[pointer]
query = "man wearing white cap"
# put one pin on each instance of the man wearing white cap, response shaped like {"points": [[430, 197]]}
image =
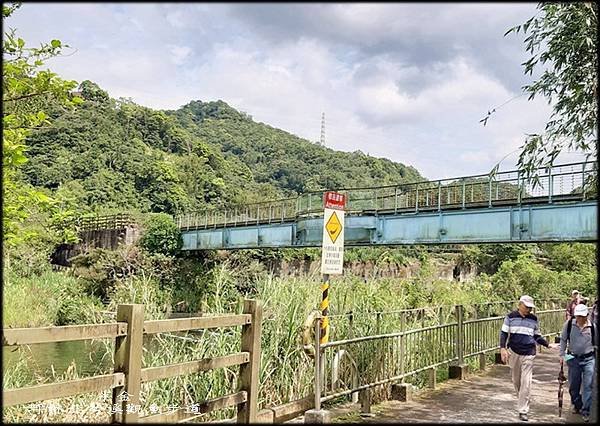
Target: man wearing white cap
{"points": [[520, 333], [580, 335]]}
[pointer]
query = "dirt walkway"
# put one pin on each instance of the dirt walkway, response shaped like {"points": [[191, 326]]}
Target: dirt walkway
{"points": [[483, 397]]}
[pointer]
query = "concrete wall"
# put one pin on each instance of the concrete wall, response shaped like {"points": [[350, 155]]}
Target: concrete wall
{"points": [[446, 268], [104, 238]]}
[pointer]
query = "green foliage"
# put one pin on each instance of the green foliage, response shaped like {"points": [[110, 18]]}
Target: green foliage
{"points": [[75, 306], [525, 275], [161, 235], [144, 289], [9, 8], [46, 298], [282, 160], [576, 264], [91, 92], [27, 92], [488, 257], [570, 256], [562, 39], [100, 269], [119, 155]]}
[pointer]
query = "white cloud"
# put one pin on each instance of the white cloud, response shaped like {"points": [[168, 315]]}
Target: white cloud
{"points": [[358, 66], [179, 54], [176, 19], [384, 102]]}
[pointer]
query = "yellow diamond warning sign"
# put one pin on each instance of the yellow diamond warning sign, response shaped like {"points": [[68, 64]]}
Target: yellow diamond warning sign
{"points": [[334, 227]]}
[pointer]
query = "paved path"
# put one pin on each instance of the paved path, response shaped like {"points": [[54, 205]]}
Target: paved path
{"points": [[483, 397]]}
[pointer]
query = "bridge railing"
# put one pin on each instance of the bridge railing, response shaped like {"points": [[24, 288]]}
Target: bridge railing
{"points": [[348, 366], [128, 375], [572, 181], [265, 212], [103, 222]]}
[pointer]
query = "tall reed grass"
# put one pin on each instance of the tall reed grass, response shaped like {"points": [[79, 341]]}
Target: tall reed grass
{"points": [[286, 373]]}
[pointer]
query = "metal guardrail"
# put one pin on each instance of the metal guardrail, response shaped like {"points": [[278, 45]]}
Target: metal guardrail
{"points": [[352, 324], [377, 359], [571, 181]]}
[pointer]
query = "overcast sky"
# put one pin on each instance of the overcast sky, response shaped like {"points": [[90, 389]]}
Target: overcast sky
{"points": [[406, 81]]}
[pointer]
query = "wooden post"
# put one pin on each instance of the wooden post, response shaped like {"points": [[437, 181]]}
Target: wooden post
{"points": [[249, 372], [128, 360]]}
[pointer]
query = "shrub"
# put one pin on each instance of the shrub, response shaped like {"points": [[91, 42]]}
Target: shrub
{"points": [[161, 235], [525, 276]]}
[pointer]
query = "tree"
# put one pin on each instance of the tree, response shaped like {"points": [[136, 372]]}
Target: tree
{"points": [[562, 38], [27, 91], [161, 235]]}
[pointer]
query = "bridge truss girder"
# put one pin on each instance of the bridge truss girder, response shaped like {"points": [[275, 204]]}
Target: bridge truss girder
{"points": [[554, 222]]}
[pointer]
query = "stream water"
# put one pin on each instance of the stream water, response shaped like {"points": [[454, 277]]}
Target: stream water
{"points": [[48, 359]]}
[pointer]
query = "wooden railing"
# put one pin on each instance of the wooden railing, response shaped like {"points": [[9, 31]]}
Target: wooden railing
{"points": [[128, 374]]}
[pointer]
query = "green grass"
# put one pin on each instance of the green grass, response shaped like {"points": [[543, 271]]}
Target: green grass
{"points": [[287, 373], [51, 298]]}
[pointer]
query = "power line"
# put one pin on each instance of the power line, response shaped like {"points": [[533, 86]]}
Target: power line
{"points": [[489, 113]]}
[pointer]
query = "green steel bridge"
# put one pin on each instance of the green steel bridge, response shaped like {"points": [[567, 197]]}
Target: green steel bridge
{"points": [[487, 208]]}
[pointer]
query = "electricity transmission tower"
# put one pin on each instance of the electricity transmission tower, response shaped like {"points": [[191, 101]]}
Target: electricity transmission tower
{"points": [[322, 141]]}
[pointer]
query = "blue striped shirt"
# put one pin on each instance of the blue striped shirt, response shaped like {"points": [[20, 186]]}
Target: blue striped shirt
{"points": [[524, 333]]}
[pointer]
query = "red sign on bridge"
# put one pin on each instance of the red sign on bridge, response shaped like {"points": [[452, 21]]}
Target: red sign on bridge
{"points": [[334, 200]]}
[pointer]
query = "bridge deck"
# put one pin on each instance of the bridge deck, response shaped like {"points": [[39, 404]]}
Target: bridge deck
{"points": [[486, 397]]}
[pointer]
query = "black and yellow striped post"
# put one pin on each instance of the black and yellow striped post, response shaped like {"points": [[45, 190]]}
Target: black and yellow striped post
{"points": [[324, 335]]}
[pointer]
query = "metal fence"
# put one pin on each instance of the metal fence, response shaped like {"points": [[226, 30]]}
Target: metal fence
{"points": [[352, 324], [572, 181], [347, 366]]}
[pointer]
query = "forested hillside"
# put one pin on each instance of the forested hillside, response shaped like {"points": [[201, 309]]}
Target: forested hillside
{"points": [[112, 154], [283, 160]]}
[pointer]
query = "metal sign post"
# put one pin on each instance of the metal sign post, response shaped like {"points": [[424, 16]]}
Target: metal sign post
{"points": [[332, 258]]}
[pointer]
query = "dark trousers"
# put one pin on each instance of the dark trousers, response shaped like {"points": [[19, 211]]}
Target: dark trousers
{"points": [[581, 375]]}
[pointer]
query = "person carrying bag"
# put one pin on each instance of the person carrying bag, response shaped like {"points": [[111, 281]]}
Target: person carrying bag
{"points": [[577, 348]]}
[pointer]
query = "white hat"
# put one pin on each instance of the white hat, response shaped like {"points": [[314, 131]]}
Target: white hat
{"points": [[527, 301], [581, 310], [574, 292]]}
